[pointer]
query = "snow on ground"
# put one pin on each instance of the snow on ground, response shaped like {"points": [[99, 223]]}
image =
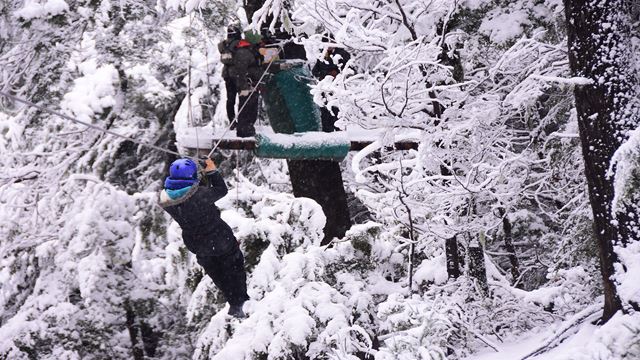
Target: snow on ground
{"points": [[611, 341], [520, 348]]}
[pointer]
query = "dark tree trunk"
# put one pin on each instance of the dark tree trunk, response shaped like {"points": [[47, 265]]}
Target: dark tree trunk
{"points": [[251, 6], [597, 40], [321, 180], [477, 267], [508, 245], [136, 347], [453, 257]]}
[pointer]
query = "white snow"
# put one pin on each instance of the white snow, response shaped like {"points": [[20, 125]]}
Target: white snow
{"points": [[576, 80], [432, 271], [77, 247], [309, 138], [92, 93], [35, 9], [95, 90], [503, 27]]}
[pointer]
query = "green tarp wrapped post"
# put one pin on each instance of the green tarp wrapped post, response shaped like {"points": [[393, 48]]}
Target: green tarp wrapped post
{"points": [[291, 110], [289, 103], [303, 146]]}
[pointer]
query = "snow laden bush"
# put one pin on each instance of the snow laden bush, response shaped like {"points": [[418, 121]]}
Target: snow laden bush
{"points": [[75, 307], [106, 285], [351, 299], [307, 300], [311, 301], [88, 269]]}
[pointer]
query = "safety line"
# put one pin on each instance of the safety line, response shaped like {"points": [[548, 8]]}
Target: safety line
{"points": [[190, 111], [95, 127]]}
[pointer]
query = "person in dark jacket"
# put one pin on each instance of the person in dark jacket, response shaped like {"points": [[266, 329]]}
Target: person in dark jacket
{"points": [[189, 197], [226, 48], [331, 64], [245, 70]]}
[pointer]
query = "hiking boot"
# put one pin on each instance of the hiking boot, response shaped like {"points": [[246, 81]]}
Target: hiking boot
{"points": [[235, 310]]}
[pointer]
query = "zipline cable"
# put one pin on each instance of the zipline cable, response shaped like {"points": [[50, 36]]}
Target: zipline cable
{"points": [[95, 127], [190, 111]]}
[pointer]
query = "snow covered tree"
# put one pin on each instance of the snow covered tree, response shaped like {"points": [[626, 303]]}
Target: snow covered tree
{"points": [[91, 268], [84, 259], [608, 109]]}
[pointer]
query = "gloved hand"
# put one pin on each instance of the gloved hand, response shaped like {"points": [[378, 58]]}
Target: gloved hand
{"points": [[211, 166], [207, 163]]}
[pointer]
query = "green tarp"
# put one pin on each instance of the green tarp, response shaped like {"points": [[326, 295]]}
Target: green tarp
{"points": [[291, 110], [289, 103], [303, 146]]}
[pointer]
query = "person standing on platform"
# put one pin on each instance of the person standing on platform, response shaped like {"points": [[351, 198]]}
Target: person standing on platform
{"points": [[226, 48], [245, 71], [332, 63]]}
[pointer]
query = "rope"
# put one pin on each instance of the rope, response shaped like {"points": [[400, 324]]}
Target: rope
{"points": [[206, 54], [237, 180], [95, 127], [235, 119], [190, 110]]}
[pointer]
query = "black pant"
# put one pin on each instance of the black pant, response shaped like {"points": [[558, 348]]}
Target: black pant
{"points": [[247, 117], [328, 119], [227, 272], [232, 92]]}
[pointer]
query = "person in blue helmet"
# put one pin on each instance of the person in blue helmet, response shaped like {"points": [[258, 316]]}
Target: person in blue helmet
{"points": [[189, 196]]}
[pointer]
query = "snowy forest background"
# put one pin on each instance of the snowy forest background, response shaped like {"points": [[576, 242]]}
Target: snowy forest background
{"points": [[91, 267]]}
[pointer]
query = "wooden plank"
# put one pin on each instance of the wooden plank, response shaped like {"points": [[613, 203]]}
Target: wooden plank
{"points": [[356, 145], [399, 145], [236, 143]]}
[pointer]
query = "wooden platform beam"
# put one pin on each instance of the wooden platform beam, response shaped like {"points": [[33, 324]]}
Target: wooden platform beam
{"points": [[356, 145]]}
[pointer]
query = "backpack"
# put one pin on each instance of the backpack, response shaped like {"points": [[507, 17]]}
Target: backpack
{"points": [[226, 52]]}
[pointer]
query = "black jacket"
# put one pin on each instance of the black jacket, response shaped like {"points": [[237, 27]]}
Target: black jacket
{"points": [[327, 66], [244, 68], [203, 231], [225, 48]]}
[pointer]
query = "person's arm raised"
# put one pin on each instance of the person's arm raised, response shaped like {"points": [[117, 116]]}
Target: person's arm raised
{"points": [[216, 188]]}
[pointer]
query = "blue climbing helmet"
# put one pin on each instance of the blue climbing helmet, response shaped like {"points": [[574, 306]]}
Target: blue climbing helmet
{"points": [[182, 173], [185, 169]]}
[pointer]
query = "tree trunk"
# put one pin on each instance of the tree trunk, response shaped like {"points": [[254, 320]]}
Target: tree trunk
{"points": [[136, 347], [321, 180], [251, 6], [477, 268], [453, 257], [513, 259], [598, 32]]}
